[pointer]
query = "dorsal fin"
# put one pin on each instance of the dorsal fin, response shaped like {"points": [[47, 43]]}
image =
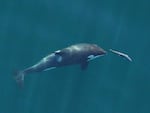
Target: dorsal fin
{"points": [[84, 65], [59, 52]]}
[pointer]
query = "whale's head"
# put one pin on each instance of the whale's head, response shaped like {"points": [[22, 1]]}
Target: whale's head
{"points": [[97, 50]]}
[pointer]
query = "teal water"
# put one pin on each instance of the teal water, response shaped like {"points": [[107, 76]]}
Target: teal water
{"points": [[31, 29]]}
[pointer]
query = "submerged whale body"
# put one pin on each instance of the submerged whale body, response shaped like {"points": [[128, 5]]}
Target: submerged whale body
{"points": [[75, 54], [80, 54]]}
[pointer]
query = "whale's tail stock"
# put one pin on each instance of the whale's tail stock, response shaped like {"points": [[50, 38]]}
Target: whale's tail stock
{"points": [[19, 77]]}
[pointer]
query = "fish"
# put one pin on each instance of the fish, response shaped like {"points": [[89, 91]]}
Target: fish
{"points": [[121, 54]]}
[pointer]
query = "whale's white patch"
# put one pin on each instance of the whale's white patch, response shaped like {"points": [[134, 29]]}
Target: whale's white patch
{"points": [[45, 59], [58, 51], [76, 47], [49, 68], [91, 57], [59, 59]]}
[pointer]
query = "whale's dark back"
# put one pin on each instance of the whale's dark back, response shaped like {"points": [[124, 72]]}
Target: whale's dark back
{"points": [[78, 53]]}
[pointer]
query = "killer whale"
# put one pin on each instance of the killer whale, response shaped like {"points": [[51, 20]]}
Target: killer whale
{"points": [[80, 54]]}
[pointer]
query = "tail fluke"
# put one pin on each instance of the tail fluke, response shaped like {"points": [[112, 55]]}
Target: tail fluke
{"points": [[19, 77]]}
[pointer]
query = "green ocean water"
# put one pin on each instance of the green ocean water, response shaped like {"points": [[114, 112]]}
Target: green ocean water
{"points": [[31, 29]]}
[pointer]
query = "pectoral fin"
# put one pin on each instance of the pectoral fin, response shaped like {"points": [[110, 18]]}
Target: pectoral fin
{"points": [[49, 68], [84, 65]]}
